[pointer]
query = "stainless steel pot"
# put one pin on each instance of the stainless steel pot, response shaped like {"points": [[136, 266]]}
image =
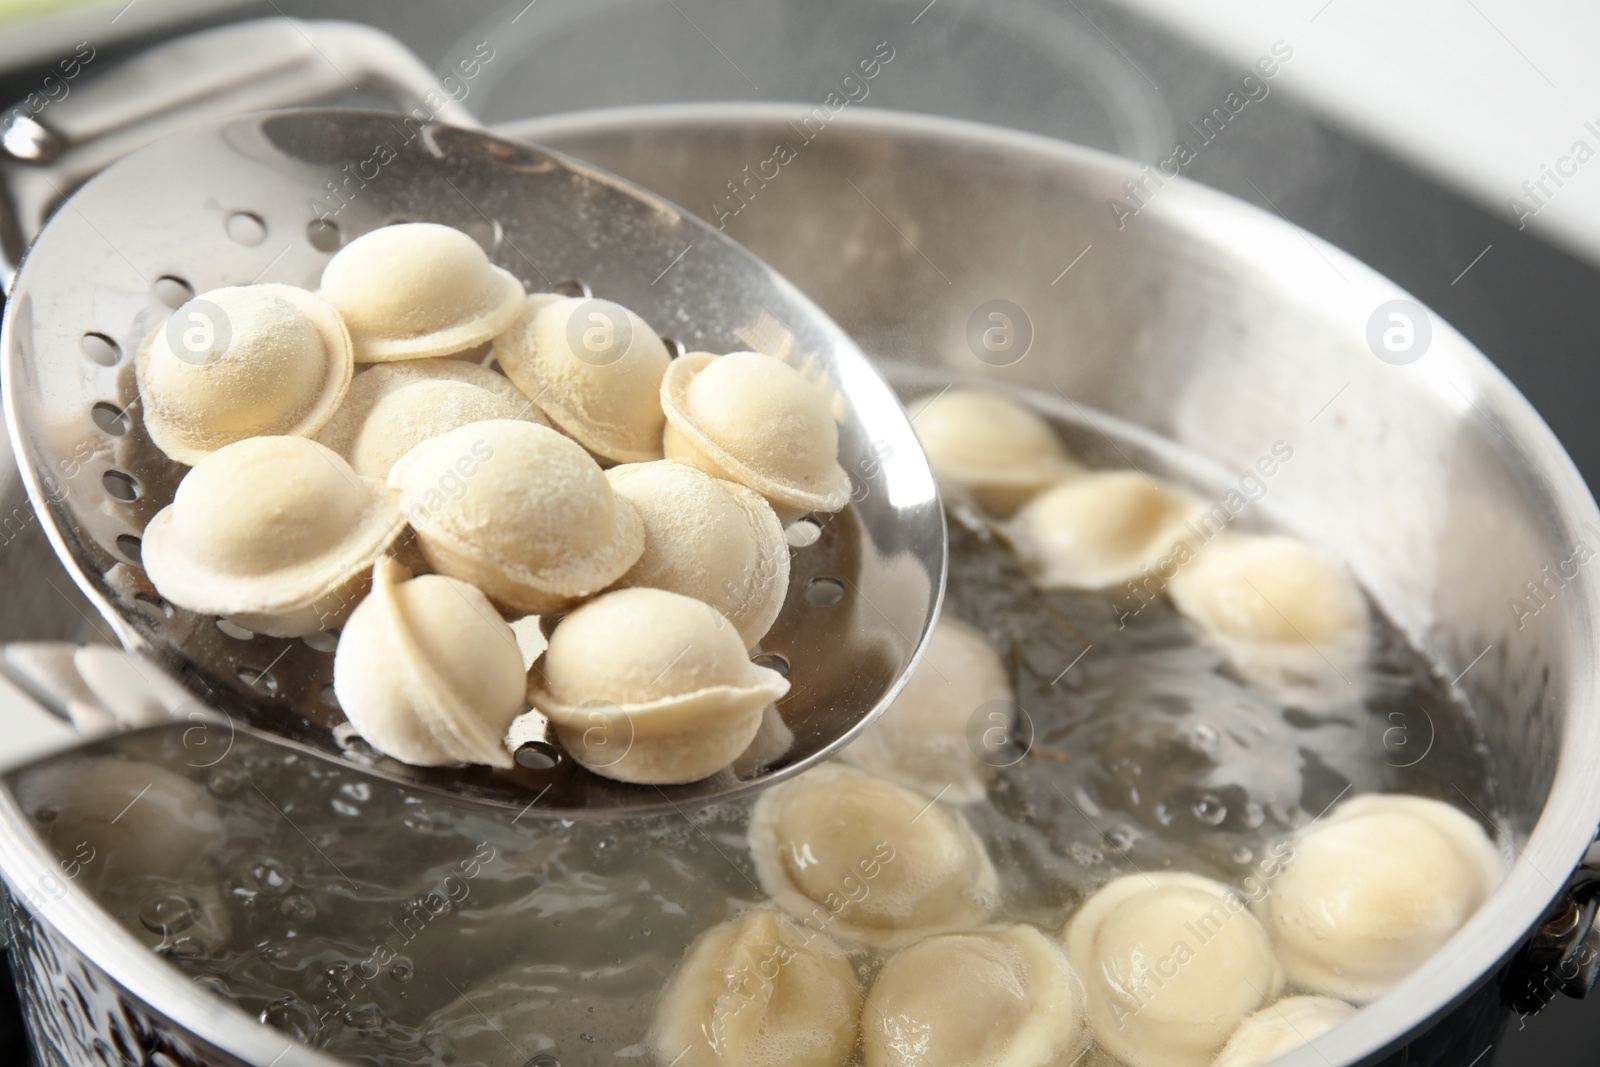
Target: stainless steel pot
{"points": [[1184, 313]]}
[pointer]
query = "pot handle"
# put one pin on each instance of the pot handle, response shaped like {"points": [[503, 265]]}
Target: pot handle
{"points": [[51, 146], [1563, 956]]}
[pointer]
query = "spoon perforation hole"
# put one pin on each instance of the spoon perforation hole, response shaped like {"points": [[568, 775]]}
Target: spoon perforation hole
{"points": [[261, 681], [327, 696], [153, 606], [574, 287], [131, 548], [234, 630], [675, 347], [324, 235], [773, 661], [121, 485], [172, 290], [487, 232], [110, 418], [824, 592], [322, 640], [538, 756], [246, 228], [803, 533], [100, 349]]}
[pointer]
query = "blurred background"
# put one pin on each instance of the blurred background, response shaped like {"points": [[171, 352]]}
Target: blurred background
{"points": [[1451, 144]]}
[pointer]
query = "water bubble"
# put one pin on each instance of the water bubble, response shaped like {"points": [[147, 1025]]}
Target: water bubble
{"points": [[1122, 838], [225, 783], [1085, 855], [402, 971], [1243, 855], [253, 878], [299, 908], [293, 1017], [1210, 809], [360, 792], [169, 914], [344, 807], [45, 816], [184, 948], [364, 1017], [1204, 737]]}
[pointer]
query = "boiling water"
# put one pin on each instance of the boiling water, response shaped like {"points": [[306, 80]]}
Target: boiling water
{"points": [[392, 929]]}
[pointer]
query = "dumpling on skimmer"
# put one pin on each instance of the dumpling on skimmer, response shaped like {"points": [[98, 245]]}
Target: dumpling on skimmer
{"points": [[707, 538], [1104, 528], [950, 727], [989, 447], [393, 407], [1290, 619], [595, 368]]}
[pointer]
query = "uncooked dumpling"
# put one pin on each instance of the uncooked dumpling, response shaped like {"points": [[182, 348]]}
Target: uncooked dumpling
{"points": [[393, 407], [950, 726], [1000, 997], [1374, 888], [428, 672], [1290, 619], [707, 538], [276, 533], [1171, 964], [756, 420], [418, 289], [1102, 529], [519, 511], [595, 367], [758, 991], [882, 864], [987, 446], [649, 686], [1280, 1028], [244, 361]]}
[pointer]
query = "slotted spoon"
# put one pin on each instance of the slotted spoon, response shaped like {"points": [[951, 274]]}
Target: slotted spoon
{"points": [[269, 198]]}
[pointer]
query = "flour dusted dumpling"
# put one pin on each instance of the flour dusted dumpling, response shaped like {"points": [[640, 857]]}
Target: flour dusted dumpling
{"points": [[1282, 1027], [595, 367], [649, 686], [428, 672], [1290, 619], [1000, 997], [418, 289], [755, 420], [276, 533], [948, 729], [989, 447], [1374, 888], [244, 361], [707, 538], [1171, 964], [886, 863], [393, 407], [1102, 529], [758, 991], [518, 511]]}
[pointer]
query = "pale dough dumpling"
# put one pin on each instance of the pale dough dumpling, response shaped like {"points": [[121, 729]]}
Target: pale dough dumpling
{"points": [[418, 289], [1373, 889], [250, 361], [758, 991], [1104, 528], [649, 686], [278, 534], [946, 732], [707, 538], [1290, 619], [756, 420], [393, 407], [519, 511], [428, 672], [1171, 963], [595, 367], [999, 997], [879, 863], [1280, 1028], [989, 447]]}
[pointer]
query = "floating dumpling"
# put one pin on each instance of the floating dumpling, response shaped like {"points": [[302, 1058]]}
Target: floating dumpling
{"points": [[278, 534], [393, 407], [707, 538], [418, 289], [595, 367], [518, 511], [1280, 1028], [245, 361], [1171, 964], [1373, 889], [755, 420], [989, 447], [1102, 529], [949, 728], [649, 686], [879, 863], [428, 672], [758, 991], [1291, 620], [1000, 997]]}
